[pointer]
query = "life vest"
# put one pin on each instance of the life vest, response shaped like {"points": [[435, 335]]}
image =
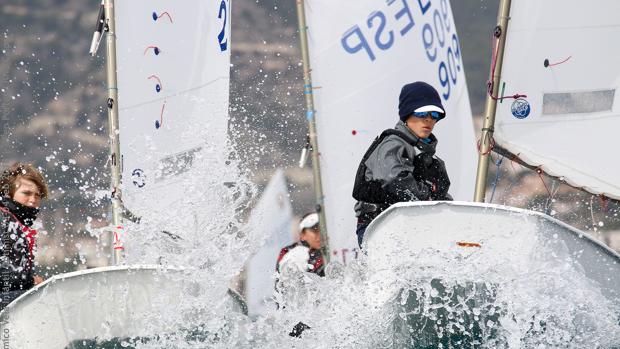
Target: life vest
{"points": [[315, 258], [372, 191], [28, 233]]}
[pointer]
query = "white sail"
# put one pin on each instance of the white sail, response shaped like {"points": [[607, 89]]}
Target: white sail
{"points": [[173, 81], [568, 124], [273, 215], [362, 53]]}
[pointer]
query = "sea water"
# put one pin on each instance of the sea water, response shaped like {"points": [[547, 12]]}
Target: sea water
{"points": [[523, 285]]}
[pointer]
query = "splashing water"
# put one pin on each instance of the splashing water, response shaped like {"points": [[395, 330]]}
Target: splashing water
{"points": [[525, 286], [210, 244], [523, 283], [443, 301]]}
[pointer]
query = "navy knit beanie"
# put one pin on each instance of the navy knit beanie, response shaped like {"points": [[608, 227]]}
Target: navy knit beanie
{"points": [[416, 95]]}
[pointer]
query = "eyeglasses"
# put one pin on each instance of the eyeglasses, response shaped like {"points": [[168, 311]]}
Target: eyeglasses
{"points": [[433, 114]]}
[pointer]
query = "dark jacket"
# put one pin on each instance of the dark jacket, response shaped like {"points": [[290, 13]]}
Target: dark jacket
{"points": [[16, 258], [407, 169]]}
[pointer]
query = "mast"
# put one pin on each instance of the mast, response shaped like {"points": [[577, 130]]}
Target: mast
{"points": [[115, 167], [490, 106], [310, 114]]}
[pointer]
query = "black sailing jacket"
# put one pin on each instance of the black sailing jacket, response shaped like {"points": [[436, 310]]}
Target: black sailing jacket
{"points": [[403, 169], [16, 255]]}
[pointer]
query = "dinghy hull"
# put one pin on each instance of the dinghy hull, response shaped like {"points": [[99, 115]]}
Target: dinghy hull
{"points": [[109, 304], [461, 274]]}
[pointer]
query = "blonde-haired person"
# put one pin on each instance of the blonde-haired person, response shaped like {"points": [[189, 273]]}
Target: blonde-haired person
{"points": [[22, 188]]}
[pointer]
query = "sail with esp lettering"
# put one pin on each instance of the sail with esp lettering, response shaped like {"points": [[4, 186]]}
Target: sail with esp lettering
{"points": [[361, 54]]}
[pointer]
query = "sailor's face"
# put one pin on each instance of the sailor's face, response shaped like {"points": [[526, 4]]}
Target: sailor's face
{"points": [[422, 127], [312, 236], [27, 193]]}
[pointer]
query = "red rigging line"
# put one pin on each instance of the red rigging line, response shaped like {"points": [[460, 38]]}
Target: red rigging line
{"points": [[158, 86], [491, 146], [547, 64], [494, 51], [155, 49], [159, 123], [156, 17], [540, 174]]}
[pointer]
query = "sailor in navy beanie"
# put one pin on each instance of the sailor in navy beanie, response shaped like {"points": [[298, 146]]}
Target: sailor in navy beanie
{"points": [[419, 97], [400, 165]]}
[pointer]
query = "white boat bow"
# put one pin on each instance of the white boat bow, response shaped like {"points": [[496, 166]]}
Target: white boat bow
{"points": [[111, 303]]}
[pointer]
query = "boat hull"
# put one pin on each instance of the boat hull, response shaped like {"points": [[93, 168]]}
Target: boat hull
{"points": [[460, 274], [101, 305]]}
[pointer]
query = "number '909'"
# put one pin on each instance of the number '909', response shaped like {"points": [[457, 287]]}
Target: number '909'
{"points": [[438, 38]]}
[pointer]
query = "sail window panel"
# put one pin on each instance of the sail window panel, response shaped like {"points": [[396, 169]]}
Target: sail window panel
{"points": [[578, 102], [176, 164]]}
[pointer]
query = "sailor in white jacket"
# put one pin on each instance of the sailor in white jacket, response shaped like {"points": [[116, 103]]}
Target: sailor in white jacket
{"points": [[296, 264], [306, 253]]}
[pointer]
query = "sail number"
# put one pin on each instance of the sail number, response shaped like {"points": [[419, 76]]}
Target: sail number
{"points": [[222, 38], [438, 36], [440, 41]]}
